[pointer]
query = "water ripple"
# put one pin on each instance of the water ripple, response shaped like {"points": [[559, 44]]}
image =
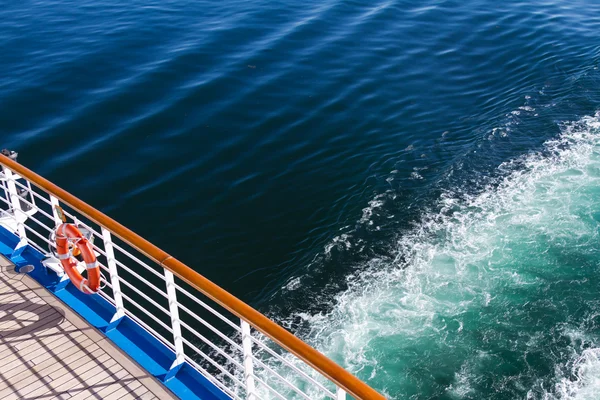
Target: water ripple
{"points": [[289, 142]]}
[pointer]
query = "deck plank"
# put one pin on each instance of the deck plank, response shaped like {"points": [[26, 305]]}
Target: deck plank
{"points": [[49, 352]]}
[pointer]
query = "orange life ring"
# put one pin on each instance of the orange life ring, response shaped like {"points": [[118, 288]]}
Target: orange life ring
{"points": [[70, 232]]}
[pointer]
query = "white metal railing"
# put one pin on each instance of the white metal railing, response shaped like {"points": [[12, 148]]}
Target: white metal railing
{"points": [[228, 351]]}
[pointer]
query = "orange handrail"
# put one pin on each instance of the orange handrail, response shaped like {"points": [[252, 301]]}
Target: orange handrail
{"points": [[351, 384]]}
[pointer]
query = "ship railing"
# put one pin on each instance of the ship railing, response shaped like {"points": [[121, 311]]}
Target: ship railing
{"points": [[239, 350]]}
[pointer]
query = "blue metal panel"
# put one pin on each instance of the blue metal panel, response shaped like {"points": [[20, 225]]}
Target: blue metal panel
{"points": [[186, 383], [93, 308], [143, 347]]}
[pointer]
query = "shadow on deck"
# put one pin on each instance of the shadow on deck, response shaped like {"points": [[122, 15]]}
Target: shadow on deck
{"points": [[49, 352]]}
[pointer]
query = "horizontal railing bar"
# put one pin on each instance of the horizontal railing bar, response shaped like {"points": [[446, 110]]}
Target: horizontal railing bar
{"points": [[120, 264], [41, 224], [39, 196], [134, 258], [103, 267], [107, 283], [278, 334], [156, 319], [269, 388], [107, 297], [211, 378], [137, 276], [103, 294], [212, 345], [129, 270], [30, 229], [146, 268], [209, 308], [9, 204], [80, 222], [34, 244], [44, 213], [32, 218], [209, 326], [30, 203], [282, 379], [290, 365], [145, 296], [157, 335], [213, 362]]}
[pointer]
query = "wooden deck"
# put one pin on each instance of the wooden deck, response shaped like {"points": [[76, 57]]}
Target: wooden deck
{"points": [[49, 352]]}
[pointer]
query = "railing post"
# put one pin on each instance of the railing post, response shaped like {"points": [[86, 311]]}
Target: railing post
{"points": [[175, 322], [4, 187], [16, 205], [114, 274], [340, 394], [248, 364], [55, 203]]}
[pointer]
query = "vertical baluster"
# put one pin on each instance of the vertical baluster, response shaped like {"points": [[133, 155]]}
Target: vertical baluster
{"points": [[5, 188], [114, 274], [55, 203], [340, 394], [175, 322], [31, 198], [248, 364], [16, 206]]}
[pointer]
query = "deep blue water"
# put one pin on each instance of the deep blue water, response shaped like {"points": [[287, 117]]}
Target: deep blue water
{"points": [[336, 163]]}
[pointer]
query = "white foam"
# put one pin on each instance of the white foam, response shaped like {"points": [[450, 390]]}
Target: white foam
{"points": [[342, 241], [584, 380], [374, 204], [459, 259]]}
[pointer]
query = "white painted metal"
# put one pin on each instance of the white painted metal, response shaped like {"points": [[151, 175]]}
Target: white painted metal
{"points": [[270, 389], [233, 344], [54, 264], [209, 308], [227, 359], [215, 364], [4, 187], [144, 325], [211, 378], [175, 323], [54, 203], [144, 281], [248, 364], [283, 361], [27, 189], [143, 309], [230, 358], [281, 379], [114, 274], [138, 261], [34, 233], [16, 206]]}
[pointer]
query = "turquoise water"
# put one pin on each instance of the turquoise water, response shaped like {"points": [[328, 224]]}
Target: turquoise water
{"points": [[494, 295], [409, 186]]}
